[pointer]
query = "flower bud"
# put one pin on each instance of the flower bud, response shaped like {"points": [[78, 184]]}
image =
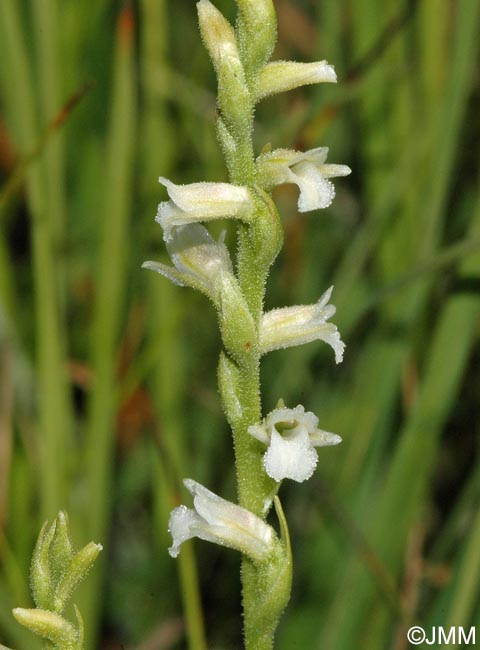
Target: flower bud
{"points": [[234, 99], [76, 572], [257, 29], [56, 570], [280, 76], [50, 626], [217, 34], [41, 578], [61, 547]]}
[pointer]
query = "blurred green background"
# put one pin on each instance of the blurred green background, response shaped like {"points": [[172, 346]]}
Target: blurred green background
{"points": [[107, 372]]}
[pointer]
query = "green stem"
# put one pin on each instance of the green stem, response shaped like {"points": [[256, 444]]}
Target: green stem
{"points": [[54, 405], [258, 245]]}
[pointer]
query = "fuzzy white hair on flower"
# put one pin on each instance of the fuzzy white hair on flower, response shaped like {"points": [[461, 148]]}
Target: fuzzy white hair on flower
{"points": [[291, 436], [199, 261], [308, 170], [215, 520], [199, 202], [290, 326]]}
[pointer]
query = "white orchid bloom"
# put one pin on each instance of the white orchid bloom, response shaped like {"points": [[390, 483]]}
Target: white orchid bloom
{"points": [[216, 520], [199, 261], [290, 326], [307, 170], [202, 202], [291, 436]]}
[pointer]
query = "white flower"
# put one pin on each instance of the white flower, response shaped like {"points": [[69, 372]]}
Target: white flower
{"points": [[290, 326], [291, 436], [280, 76], [199, 261], [202, 202], [216, 520], [307, 170]]}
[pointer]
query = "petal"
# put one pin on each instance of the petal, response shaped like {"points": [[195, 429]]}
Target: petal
{"points": [[167, 271], [332, 171], [293, 457], [325, 299], [321, 438], [317, 156], [259, 432]]}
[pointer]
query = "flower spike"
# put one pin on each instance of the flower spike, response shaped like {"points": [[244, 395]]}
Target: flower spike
{"points": [[216, 520], [291, 436]]}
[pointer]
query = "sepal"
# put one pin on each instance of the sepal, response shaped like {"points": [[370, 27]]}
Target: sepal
{"points": [[280, 76]]}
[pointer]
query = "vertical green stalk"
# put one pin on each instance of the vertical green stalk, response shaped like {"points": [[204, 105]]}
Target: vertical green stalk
{"points": [[45, 15], [113, 219], [54, 405], [258, 245]]}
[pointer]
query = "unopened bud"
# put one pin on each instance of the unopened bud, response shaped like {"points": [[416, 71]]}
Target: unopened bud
{"points": [[79, 566], [50, 626], [257, 30]]}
